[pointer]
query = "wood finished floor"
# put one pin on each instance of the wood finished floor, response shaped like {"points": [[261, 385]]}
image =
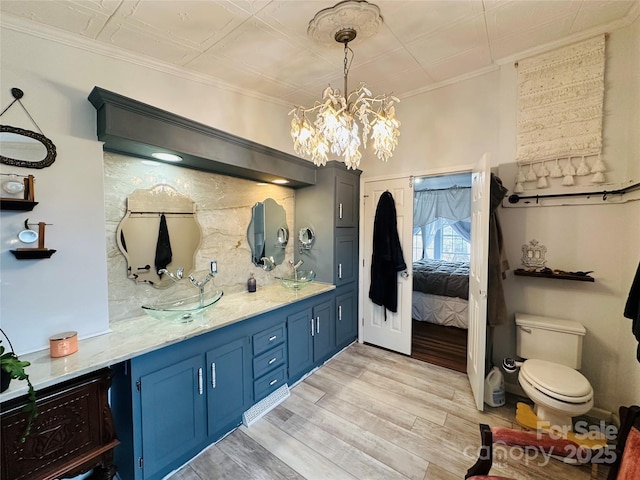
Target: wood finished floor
{"points": [[439, 345], [370, 414]]}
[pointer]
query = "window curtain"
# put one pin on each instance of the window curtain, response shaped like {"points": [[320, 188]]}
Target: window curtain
{"points": [[434, 209], [452, 204]]}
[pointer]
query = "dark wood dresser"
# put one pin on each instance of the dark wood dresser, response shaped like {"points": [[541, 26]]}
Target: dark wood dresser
{"points": [[72, 433]]}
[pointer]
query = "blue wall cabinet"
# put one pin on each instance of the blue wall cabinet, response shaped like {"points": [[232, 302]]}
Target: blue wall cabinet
{"points": [[228, 392], [334, 255]]}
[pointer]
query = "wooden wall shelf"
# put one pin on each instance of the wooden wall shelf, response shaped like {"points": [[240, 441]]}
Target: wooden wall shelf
{"points": [[17, 204], [564, 276], [32, 253]]}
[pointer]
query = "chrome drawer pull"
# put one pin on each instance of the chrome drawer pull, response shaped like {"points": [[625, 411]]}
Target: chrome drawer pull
{"points": [[317, 324], [273, 382], [213, 375], [340, 210], [272, 360], [200, 389], [272, 338], [339, 270], [340, 312], [313, 333]]}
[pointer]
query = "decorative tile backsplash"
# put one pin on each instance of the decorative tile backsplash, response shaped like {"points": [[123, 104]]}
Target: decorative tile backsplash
{"points": [[223, 211]]}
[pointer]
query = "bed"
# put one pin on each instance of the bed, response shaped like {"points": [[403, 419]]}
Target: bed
{"points": [[441, 292]]}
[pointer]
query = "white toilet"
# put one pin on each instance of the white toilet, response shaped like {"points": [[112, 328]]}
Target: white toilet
{"points": [[552, 349]]}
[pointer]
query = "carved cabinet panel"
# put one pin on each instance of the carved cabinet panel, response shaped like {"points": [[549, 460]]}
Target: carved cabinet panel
{"points": [[72, 433]]}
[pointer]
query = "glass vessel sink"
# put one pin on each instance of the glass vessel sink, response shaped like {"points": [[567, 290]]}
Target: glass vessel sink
{"points": [[183, 310], [298, 279]]}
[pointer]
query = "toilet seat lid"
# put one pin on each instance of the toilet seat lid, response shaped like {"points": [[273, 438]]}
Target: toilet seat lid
{"points": [[557, 380]]}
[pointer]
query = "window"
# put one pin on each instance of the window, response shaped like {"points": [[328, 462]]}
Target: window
{"points": [[453, 247], [444, 244]]}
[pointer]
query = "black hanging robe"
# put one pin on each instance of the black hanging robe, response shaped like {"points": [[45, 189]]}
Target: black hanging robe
{"points": [[387, 259], [632, 308]]}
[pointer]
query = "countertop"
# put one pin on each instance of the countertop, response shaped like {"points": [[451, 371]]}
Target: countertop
{"points": [[140, 335]]}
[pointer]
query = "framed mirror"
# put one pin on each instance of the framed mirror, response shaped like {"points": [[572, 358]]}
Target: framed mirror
{"points": [[268, 234], [24, 148], [159, 230]]}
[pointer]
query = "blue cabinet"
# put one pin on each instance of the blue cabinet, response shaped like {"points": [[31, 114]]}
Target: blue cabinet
{"points": [[310, 336], [346, 317], [334, 255], [228, 391], [171, 403], [173, 414], [269, 359], [300, 326]]}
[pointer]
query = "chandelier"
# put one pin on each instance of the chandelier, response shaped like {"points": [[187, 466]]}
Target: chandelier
{"points": [[335, 128]]}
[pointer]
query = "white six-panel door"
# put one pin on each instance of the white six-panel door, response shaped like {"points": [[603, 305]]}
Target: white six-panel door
{"points": [[394, 333]]}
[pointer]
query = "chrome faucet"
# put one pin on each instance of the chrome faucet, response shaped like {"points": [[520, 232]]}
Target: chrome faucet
{"points": [[177, 277], [295, 267], [268, 263], [200, 285]]}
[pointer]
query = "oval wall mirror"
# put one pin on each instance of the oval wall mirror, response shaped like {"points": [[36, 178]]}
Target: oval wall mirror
{"points": [[306, 237], [24, 148], [159, 230], [268, 234]]}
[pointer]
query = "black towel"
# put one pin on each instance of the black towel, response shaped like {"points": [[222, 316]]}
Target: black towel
{"points": [[632, 308], [163, 247]]}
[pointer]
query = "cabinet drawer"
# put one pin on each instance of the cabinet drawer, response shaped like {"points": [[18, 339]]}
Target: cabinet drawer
{"points": [[268, 383], [266, 339], [268, 361]]}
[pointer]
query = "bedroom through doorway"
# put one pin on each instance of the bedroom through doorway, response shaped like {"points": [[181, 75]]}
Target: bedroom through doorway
{"points": [[440, 263]]}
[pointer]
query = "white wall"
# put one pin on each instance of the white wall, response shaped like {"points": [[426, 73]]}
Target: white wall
{"points": [[69, 291], [443, 128]]}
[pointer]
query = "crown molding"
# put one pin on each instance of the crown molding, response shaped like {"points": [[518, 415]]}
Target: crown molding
{"points": [[18, 24]]}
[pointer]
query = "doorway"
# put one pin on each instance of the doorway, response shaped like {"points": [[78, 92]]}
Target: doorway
{"points": [[440, 257], [396, 334]]}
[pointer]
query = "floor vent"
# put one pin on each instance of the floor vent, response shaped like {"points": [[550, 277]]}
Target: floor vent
{"points": [[265, 405]]}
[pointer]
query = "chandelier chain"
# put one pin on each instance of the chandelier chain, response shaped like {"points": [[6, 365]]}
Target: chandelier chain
{"points": [[347, 64]]}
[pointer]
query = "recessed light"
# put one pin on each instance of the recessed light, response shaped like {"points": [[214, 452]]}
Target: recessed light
{"points": [[167, 157], [281, 181]]}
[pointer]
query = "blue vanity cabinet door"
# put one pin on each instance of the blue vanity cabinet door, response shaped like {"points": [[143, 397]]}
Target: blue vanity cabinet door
{"points": [[347, 188], [324, 333], [346, 316], [173, 416], [229, 385], [346, 248], [300, 342]]}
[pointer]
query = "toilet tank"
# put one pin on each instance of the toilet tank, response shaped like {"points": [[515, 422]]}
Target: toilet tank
{"points": [[552, 339]]}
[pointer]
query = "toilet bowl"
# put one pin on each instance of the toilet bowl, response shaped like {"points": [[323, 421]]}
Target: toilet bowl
{"points": [[556, 387], [557, 391]]}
